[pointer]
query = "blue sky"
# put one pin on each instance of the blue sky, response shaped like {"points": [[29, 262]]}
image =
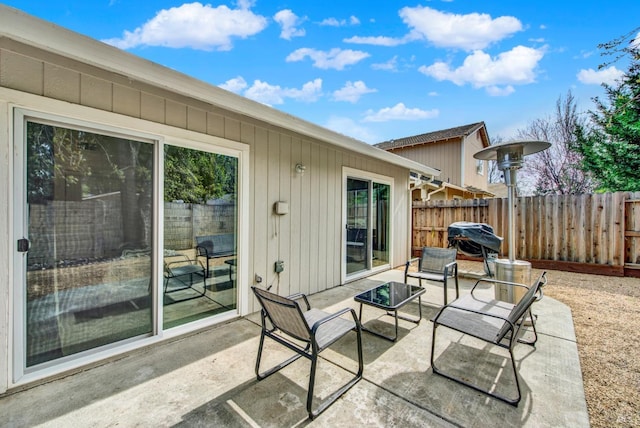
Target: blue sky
{"points": [[373, 70]]}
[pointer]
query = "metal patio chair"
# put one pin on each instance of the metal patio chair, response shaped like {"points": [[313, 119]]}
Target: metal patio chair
{"points": [[435, 264], [316, 329], [496, 322]]}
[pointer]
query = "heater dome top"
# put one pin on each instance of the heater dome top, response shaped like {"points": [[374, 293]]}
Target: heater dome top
{"points": [[517, 148]]}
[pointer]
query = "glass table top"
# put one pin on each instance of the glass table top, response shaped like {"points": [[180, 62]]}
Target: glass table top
{"points": [[390, 295]]}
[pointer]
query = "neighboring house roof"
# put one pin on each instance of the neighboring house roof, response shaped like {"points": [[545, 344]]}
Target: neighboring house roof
{"points": [[17, 25], [432, 137]]}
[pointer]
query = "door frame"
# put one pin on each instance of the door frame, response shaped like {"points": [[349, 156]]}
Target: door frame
{"points": [[14, 106], [370, 177]]}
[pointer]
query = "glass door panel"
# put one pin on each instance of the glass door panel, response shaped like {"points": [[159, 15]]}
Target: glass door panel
{"points": [[380, 224], [200, 235], [88, 270], [357, 224]]}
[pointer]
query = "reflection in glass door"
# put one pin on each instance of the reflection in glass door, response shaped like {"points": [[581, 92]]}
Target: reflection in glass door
{"points": [[357, 226], [380, 224], [200, 235], [367, 225], [89, 201]]}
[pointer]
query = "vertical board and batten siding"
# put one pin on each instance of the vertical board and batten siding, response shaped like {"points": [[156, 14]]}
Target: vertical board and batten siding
{"points": [[308, 239], [470, 145], [598, 229], [443, 156]]}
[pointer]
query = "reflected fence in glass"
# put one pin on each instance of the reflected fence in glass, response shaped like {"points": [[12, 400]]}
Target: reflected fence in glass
{"points": [[89, 204], [200, 239]]}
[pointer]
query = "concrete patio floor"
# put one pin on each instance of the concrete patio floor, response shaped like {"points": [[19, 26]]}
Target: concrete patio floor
{"points": [[207, 379]]}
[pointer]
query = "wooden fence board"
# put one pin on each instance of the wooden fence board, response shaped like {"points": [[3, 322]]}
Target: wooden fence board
{"points": [[599, 229]]}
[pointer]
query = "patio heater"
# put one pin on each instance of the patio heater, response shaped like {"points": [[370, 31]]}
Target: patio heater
{"points": [[510, 157]]}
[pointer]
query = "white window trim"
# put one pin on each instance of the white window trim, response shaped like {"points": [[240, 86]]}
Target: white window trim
{"points": [[378, 178], [13, 374]]}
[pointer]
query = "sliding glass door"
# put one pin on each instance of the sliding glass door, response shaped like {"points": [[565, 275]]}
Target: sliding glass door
{"points": [[89, 198], [367, 223], [104, 259]]}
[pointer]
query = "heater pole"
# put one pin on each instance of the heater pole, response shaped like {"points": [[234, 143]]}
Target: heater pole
{"points": [[512, 222]]}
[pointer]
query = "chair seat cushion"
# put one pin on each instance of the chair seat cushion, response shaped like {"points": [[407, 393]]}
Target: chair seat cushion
{"points": [[330, 331], [482, 325], [427, 276]]}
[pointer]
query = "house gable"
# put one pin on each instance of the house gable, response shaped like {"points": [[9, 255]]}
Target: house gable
{"points": [[451, 151]]}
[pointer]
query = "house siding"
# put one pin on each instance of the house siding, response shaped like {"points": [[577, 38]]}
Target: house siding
{"points": [[445, 156], [473, 144], [308, 239]]}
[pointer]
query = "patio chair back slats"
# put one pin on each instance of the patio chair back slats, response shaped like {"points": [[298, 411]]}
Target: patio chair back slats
{"points": [[284, 314], [435, 259]]}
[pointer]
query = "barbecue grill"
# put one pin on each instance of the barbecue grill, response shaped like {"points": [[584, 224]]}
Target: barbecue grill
{"points": [[475, 240]]}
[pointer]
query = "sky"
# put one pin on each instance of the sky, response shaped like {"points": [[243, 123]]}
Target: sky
{"points": [[373, 70]]}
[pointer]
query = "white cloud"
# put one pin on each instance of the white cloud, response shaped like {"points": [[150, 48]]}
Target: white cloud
{"points": [[376, 40], [236, 85], [497, 91], [265, 93], [195, 26], [391, 65], [593, 77], [352, 91], [289, 23], [468, 32], [399, 112], [514, 67], [333, 22], [335, 58], [348, 127]]}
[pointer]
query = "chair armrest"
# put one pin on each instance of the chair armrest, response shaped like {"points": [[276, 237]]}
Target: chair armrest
{"points": [[300, 296], [328, 318], [497, 281], [202, 251], [451, 266], [408, 264]]}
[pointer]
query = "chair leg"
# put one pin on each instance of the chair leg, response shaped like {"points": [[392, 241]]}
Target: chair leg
{"points": [[535, 332], [340, 392], [457, 287], [445, 291], [312, 381], [276, 368], [436, 370]]}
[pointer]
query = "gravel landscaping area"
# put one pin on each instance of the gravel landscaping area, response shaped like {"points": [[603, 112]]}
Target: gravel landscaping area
{"points": [[606, 317]]}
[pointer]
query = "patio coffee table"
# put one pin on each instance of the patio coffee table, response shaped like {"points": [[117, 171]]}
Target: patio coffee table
{"points": [[391, 296]]}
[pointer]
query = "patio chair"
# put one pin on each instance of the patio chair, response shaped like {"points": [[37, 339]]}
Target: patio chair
{"points": [[215, 246], [180, 268], [435, 264], [316, 329], [494, 321]]}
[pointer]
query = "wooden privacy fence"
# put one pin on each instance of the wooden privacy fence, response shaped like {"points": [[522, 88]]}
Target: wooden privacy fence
{"points": [[597, 233]]}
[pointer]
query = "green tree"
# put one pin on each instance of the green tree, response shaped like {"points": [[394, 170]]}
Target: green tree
{"points": [[611, 145], [194, 176]]}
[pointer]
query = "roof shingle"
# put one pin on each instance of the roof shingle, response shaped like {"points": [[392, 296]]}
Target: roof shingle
{"points": [[430, 137]]}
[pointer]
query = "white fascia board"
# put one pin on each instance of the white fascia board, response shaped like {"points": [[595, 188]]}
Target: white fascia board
{"points": [[24, 28]]}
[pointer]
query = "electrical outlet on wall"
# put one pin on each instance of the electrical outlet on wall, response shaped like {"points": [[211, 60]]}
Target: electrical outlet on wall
{"points": [[279, 266]]}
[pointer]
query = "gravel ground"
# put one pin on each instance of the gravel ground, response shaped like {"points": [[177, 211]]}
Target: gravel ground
{"points": [[606, 317]]}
